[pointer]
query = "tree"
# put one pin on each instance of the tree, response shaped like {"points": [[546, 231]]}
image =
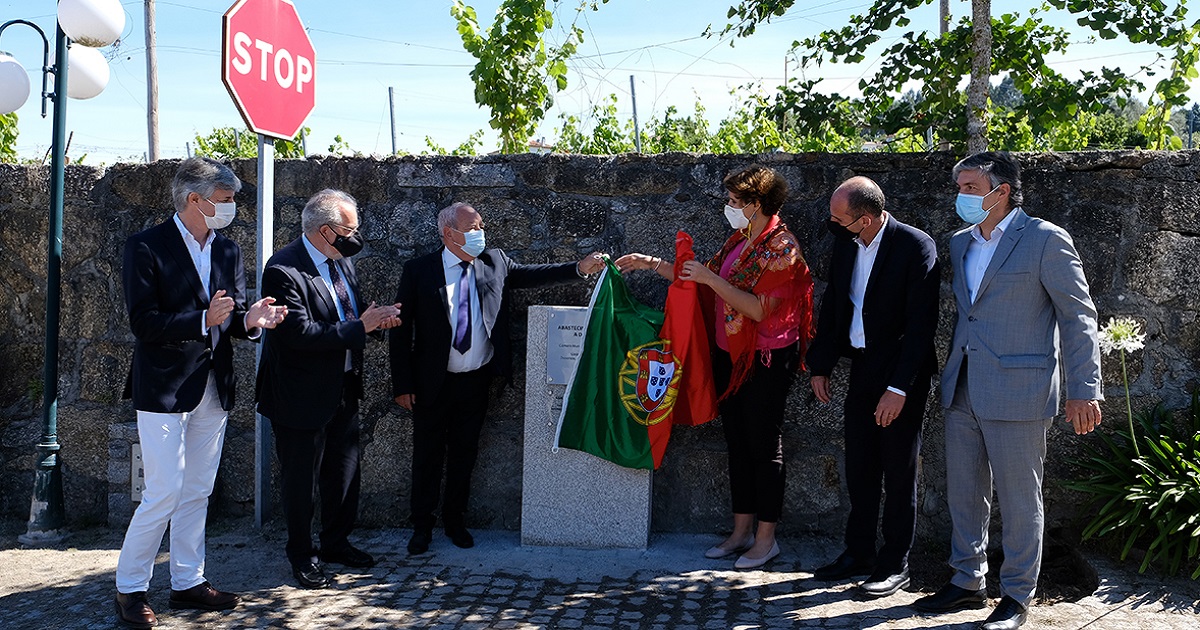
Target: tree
{"points": [[981, 75], [8, 137], [1020, 45], [229, 143], [515, 66]]}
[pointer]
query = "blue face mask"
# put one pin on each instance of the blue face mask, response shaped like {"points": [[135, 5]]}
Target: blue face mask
{"points": [[970, 207], [475, 243]]}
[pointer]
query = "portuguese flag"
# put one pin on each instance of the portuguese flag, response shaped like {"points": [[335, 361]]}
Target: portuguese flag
{"points": [[622, 398]]}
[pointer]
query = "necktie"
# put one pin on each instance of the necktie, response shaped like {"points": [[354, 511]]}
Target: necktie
{"points": [[343, 297], [462, 328]]}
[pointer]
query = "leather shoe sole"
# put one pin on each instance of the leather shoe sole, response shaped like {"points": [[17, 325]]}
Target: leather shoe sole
{"points": [[310, 576], [203, 597], [883, 586], [951, 598], [148, 620]]}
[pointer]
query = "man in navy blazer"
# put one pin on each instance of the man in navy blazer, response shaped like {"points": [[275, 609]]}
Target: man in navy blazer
{"points": [[1024, 317], [185, 291], [453, 339], [880, 309], [310, 381]]}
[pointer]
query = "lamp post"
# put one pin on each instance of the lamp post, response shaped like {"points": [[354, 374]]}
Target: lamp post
{"points": [[91, 23]]}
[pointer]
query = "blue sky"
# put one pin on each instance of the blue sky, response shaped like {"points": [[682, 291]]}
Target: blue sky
{"points": [[365, 46]]}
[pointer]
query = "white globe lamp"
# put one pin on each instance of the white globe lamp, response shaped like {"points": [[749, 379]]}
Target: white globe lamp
{"points": [[93, 23], [87, 72], [14, 84]]}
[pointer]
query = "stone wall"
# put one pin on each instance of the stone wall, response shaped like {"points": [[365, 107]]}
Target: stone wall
{"points": [[1133, 215]]}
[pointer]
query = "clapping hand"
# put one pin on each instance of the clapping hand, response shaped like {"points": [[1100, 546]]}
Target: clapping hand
{"points": [[219, 309], [264, 314], [381, 317]]}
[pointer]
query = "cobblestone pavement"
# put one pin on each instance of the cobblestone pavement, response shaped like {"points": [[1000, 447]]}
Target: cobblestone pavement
{"points": [[500, 584]]}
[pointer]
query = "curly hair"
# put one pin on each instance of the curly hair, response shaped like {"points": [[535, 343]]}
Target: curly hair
{"points": [[761, 184]]}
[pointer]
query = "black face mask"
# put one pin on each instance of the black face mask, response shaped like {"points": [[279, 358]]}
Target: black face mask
{"points": [[840, 231], [347, 245]]}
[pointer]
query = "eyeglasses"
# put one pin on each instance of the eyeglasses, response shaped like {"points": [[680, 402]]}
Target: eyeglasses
{"points": [[353, 230]]}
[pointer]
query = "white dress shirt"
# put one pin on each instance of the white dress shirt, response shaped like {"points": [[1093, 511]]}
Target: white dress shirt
{"points": [[320, 261], [481, 349], [864, 262], [979, 253], [202, 260]]}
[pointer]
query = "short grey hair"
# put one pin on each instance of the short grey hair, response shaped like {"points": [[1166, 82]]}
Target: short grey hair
{"points": [[203, 176], [449, 213], [324, 208], [999, 167]]}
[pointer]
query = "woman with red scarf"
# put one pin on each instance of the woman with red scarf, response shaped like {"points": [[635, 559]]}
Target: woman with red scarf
{"points": [[758, 291]]}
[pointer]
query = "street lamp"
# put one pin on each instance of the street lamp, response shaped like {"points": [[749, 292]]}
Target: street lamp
{"points": [[91, 23]]}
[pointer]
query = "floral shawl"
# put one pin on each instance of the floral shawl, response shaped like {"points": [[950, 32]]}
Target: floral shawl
{"points": [[773, 261]]}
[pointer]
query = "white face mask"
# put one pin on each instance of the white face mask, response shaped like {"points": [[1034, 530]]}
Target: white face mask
{"points": [[224, 214], [736, 217]]}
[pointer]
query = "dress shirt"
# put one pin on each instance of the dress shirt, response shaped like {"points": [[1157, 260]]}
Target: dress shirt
{"points": [[979, 253], [481, 349], [202, 260], [319, 260], [864, 262]]}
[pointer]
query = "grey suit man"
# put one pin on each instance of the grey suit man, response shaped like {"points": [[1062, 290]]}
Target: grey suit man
{"points": [[1024, 317]]}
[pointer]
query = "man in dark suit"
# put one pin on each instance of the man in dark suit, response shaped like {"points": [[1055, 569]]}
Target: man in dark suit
{"points": [[310, 381], [185, 291], [880, 309], [452, 341]]}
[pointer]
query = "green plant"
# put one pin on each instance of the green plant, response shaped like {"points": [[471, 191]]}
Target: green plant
{"points": [[1152, 498], [8, 137]]}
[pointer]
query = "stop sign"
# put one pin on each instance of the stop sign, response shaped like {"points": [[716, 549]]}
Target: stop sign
{"points": [[268, 65]]}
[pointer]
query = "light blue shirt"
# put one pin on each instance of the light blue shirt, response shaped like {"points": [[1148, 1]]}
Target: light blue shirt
{"points": [[980, 251], [481, 349], [320, 261]]}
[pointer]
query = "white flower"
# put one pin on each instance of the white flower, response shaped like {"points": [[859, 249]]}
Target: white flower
{"points": [[1122, 334]]}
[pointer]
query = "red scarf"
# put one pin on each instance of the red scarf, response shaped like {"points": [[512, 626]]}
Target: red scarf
{"points": [[771, 262]]}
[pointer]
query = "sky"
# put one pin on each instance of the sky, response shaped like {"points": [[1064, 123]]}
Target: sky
{"points": [[366, 46]]}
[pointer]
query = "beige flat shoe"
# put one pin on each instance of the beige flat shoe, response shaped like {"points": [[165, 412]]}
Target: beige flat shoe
{"points": [[753, 563], [717, 552]]}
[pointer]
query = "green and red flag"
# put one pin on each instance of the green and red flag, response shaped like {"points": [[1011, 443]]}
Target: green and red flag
{"points": [[623, 397]]}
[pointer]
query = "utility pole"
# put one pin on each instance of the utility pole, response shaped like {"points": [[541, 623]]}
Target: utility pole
{"points": [[637, 132], [392, 112], [1192, 123], [943, 28], [151, 82]]}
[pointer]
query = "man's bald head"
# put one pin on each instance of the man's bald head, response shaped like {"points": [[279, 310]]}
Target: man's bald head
{"points": [[862, 196]]}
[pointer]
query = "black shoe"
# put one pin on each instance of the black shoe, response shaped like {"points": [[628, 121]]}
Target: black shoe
{"points": [[846, 566], [419, 543], [310, 575], [460, 537], [349, 556], [950, 598], [1009, 615], [884, 583]]}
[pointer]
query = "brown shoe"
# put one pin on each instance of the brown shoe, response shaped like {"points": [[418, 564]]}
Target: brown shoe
{"points": [[203, 597], [134, 610]]}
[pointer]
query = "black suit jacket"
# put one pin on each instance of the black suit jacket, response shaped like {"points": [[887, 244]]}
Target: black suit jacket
{"points": [[166, 302], [900, 308], [303, 366], [420, 345]]}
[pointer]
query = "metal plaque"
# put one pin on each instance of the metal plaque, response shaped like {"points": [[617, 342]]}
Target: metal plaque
{"points": [[564, 342]]}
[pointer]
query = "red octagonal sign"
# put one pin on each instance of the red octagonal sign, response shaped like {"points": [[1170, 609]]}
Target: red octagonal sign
{"points": [[268, 64]]}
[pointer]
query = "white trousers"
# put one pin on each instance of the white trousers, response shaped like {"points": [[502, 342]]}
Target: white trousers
{"points": [[180, 454]]}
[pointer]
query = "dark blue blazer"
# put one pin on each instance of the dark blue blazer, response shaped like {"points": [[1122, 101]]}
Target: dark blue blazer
{"points": [[420, 345], [900, 308], [303, 366], [165, 300]]}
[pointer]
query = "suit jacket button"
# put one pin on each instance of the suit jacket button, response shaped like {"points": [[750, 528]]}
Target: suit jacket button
{"points": [[970, 318]]}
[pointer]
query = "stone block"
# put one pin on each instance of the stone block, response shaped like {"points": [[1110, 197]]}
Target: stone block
{"points": [[570, 498]]}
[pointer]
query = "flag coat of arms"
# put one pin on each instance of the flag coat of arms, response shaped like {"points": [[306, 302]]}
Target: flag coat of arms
{"points": [[621, 401]]}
